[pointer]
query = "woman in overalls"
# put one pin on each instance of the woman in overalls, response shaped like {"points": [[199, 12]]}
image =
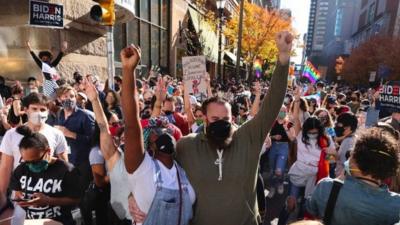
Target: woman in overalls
{"points": [[160, 186]]}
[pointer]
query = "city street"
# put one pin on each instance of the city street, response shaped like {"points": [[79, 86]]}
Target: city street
{"points": [[200, 112]]}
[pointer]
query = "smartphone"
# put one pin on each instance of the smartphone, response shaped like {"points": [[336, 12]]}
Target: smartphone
{"points": [[20, 200]]}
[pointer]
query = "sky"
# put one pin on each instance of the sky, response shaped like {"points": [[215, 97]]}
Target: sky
{"points": [[300, 11]]}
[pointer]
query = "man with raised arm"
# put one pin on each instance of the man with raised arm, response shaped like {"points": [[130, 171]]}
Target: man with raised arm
{"points": [[222, 162]]}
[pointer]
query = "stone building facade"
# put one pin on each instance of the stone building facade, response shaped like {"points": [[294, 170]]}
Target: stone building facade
{"points": [[86, 40]]}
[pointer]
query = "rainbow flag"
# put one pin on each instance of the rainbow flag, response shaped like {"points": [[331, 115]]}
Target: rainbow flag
{"points": [[258, 67], [311, 72]]}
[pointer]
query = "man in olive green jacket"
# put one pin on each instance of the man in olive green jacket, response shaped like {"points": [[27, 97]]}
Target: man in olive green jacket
{"points": [[222, 162]]}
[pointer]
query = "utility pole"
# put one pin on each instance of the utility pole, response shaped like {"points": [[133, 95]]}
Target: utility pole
{"points": [[239, 49], [104, 13], [110, 57]]}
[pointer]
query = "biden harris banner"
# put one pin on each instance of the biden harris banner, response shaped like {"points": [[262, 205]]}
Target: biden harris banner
{"points": [[390, 96], [45, 14]]}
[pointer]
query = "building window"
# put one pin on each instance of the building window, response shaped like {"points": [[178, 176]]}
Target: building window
{"points": [[155, 46], [338, 22], [155, 11], [149, 30], [133, 34], [145, 42], [364, 3], [362, 20], [119, 40], [371, 12], [144, 10]]}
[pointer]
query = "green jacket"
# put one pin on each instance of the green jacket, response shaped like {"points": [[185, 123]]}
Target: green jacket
{"points": [[233, 200]]}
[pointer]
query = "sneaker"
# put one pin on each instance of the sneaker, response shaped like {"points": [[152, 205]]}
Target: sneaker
{"points": [[281, 189], [271, 193]]}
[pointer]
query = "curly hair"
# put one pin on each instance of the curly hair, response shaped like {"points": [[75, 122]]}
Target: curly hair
{"points": [[376, 153]]}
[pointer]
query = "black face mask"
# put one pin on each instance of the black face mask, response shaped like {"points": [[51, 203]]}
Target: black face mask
{"points": [[219, 130], [116, 87], [166, 144], [145, 115], [167, 113], [148, 102], [339, 131], [324, 120]]}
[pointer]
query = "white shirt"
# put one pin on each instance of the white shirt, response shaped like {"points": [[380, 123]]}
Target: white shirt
{"points": [[309, 154], [142, 182], [10, 143]]}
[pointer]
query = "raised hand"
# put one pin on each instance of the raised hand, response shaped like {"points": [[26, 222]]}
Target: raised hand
{"points": [[90, 90], [64, 46], [207, 79], [130, 56], [28, 45], [161, 90], [284, 42], [257, 88]]}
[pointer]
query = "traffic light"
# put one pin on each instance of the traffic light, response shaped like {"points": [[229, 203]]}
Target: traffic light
{"points": [[104, 12]]}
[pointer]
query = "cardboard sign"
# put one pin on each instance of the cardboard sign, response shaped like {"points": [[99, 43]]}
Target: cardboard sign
{"points": [[45, 14], [194, 75], [390, 96], [372, 76]]}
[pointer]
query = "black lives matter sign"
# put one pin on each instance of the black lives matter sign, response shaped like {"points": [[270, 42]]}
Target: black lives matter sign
{"points": [[390, 96], [46, 14]]}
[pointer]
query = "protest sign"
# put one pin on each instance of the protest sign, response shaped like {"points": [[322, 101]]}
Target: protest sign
{"points": [[194, 75], [45, 14], [390, 96]]}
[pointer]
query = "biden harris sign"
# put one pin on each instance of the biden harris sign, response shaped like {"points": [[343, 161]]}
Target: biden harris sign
{"points": [[45, 14]]}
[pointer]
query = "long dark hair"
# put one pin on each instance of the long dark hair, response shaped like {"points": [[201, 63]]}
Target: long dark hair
{"points": [[116, 102], [313, 123]]}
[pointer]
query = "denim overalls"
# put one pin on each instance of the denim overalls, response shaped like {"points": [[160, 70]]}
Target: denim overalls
{"points": [[164, 209]]}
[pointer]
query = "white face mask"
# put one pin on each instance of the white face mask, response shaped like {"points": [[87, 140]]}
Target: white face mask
{"points": [[38, 118]]}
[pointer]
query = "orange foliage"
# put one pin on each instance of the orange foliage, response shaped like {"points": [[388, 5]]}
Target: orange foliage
{"points": [[368, 56], [259, 29]]}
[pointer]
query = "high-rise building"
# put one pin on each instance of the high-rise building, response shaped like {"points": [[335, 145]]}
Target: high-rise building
{"points": [[320, 26], [276, 4], [338, 33], [375, 17], [311, 25]]}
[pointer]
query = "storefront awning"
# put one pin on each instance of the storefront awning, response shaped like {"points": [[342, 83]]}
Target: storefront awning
{"points": [[208, 38], [231, 56]]}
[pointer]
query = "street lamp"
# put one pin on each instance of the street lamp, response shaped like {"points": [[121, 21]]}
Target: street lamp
{"points": [[220, 7]]}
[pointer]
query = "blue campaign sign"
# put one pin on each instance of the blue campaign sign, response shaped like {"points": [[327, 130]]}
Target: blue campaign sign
{"points": [[45, 14], [390, 96]]}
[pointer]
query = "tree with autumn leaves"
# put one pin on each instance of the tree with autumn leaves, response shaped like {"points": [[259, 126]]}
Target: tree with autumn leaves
{"points": [[260, 27], [369, 56]]}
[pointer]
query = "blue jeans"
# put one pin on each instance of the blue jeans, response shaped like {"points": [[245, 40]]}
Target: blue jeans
{"points": [[277, 157]]}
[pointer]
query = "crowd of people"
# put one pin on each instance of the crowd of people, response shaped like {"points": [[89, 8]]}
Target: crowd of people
{"points": [[149, 152]]}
